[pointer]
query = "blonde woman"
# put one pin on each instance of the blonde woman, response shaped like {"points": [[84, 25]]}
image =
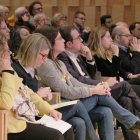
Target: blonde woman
{"points": [[59, 20], [108, 63], [23, 104]]}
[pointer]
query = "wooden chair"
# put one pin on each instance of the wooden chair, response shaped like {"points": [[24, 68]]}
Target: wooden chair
{"points": [[56, 98], [3, 124]]}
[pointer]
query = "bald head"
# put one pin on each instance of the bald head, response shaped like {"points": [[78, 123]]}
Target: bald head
{"points": [[121, 35], [122, 24]]}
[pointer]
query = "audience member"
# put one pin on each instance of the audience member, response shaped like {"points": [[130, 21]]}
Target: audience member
{"points": [[18, 37], [122, 24], [32, 53], [78, 23], [106, 21], [122, 38], [59, 20], [54, 74], [4, 13], [23, 105], [4, 29], [40, 19], [23, 17], [108, 63], [134, 29], [35, 8]]}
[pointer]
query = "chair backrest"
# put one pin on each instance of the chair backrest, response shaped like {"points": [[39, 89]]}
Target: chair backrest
{"points": [[3, 124]]}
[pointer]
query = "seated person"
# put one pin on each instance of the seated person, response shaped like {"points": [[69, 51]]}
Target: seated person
{"points": [[23, 17], [40, 19], [108, 63], [18, 37], [59, 20], [53, 73], [23, 105], [32, 53]]}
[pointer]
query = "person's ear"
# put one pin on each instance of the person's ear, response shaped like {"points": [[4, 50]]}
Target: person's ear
{"points": [[68, 44], [117, 38]]}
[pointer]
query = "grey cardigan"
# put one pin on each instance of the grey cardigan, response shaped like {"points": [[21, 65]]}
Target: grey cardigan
{"points": [[51, 76]]}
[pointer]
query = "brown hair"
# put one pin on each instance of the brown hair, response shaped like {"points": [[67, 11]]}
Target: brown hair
{"points": [[94, 43]]}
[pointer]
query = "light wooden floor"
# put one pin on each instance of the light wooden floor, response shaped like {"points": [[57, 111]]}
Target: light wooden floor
{"points": [[118, 135]]}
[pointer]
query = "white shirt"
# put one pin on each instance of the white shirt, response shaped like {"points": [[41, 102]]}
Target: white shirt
{"points": [[73, 57]]}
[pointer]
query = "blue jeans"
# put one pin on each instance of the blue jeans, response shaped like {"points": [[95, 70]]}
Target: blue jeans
{"points": [[103, 115], [79, 110], [121, 114]]}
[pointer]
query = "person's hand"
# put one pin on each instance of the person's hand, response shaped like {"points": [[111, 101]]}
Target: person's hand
{"points": [[134, 44], [133, 76], [84, 51], [114, 49], [56, 115], [111, 81], [101, 89], [45, 93], [86, 29], [6, 64], [25, 17]]}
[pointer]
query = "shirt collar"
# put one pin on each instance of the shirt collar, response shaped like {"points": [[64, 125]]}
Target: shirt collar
{"points": [[29, 70], [71, 54], [121, 47]]}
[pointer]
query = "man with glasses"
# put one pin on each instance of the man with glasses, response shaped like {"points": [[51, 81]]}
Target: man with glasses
{"points": [[35, 8], [129, 50], [40, 19], [78, 22]]}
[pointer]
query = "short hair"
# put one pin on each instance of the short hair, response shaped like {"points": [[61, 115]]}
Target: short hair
{"points": [[30, 48], [103, 19], [1, 8], [66, 33], [31, 6], [36, 17], [117, 31], [77, 14], [133, 26], [3, 50], [19, 11], [94, 42], [56, 18]]}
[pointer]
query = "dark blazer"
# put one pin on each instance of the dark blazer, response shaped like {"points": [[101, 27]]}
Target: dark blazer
{"points": [[88, 69], [130, 63], [32, 83]]}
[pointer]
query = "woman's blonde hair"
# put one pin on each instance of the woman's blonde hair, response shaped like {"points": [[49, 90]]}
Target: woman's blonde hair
{"points": [[56, 18], [30, 48], [3, 50], [95, 45]]}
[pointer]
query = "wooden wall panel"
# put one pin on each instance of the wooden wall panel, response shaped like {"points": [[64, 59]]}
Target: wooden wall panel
{"points": [[121, 10]]}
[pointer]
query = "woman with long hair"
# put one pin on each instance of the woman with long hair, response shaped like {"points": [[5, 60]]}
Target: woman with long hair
{"points": [[108, 63]]}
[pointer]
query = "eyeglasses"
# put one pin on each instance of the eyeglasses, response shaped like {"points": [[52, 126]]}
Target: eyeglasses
{"points": [[6, 13], [79, 37], [38, 9], [81, 18], [44, 56], [126, 35], [43, 19], [60, 38]]}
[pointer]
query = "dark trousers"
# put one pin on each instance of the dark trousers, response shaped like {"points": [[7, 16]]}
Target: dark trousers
{"points": [[40, 132], [127, 98]]}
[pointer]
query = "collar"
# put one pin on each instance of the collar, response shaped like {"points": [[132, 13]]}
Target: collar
{"points": [[73, 55], [77, 28], [29, 70], [121, 47]]}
